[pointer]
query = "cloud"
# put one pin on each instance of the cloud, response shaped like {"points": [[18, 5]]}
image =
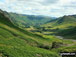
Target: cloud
{"points": [[55, 8], [48, 2]]}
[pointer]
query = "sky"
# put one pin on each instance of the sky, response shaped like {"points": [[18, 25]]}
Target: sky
{"points": [[52, 8]]}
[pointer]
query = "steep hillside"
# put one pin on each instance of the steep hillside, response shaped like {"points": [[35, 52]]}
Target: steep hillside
{"points": [[4, 20], [65, 20]]}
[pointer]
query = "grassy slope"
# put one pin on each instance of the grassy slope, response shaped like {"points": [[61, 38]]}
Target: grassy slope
{"points": [[66, 26], [62, 22], [15, 42]]}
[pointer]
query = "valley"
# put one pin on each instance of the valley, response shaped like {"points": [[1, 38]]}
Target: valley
{"points": [[43, 38]]}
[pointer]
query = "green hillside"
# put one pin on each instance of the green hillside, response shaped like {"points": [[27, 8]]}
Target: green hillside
{"points": [[63, 26], [65, 20], [26, 21]]}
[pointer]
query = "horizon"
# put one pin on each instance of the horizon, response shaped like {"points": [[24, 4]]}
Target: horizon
{"points": [[41, 15], [51, 8]]}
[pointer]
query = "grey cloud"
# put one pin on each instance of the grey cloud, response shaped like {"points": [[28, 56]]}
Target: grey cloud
{"points": [[69, 6], [56, 10], [47, 2]]}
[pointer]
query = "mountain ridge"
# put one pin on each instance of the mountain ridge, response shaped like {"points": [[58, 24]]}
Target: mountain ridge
{"points": [[28, 20], [63, 26]]}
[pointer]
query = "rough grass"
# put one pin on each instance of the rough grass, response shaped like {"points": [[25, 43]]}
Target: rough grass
{"points": [[17, 44]]}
